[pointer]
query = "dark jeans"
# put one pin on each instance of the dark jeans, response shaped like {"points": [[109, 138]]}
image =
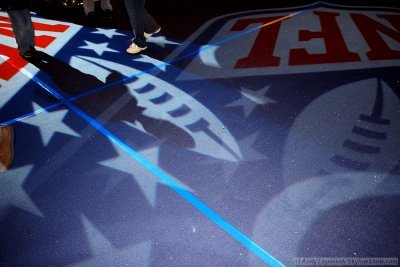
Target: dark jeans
{"points": [[23, 29], [141, 21]]}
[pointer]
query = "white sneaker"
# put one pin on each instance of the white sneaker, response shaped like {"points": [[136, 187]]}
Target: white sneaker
{"points": [[134, 49], [148, 35]]}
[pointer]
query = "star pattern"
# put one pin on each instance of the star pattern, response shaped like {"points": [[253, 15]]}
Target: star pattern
{"points": [[12, 193], [249, 154], [67, 178], [256, 98], [48, 130], [99, 49], [110, 33], [146, 180]]}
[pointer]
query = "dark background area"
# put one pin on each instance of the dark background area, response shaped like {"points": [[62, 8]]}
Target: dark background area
{"points": [[179, 18]]}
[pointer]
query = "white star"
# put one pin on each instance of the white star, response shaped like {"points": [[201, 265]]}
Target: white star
{"points": [[110, 33], [48, 130], [161, 41], [146, 59], [145, 179], [12, 192], [249, 154], [104, 254], [256, 97], [98, 48]]}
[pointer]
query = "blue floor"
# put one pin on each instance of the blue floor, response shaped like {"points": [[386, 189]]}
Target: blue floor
{"points": [[267, 137]]}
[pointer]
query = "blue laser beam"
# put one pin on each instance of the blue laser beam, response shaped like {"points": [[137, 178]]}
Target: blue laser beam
{"points": [[197, 203], [149, 70]]}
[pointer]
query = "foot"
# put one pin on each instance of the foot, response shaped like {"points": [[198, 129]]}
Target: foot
{"points": [[148, 35], [6, 147], [108, 13], [28, 54], [134, 49], [90, 15]]}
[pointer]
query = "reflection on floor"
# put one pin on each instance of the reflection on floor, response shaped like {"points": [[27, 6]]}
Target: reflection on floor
{"points": [[266, 137]]}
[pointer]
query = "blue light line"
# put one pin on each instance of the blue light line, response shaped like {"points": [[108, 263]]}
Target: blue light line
{"points": [[215, 217], [212, 215], [126, 79]]}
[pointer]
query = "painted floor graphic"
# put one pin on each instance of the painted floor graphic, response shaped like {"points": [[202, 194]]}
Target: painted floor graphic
{"points": [[265, 137]]}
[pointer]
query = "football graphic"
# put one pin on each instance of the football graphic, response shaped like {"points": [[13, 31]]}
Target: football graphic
{"points": [[162, 100], [343, 147], [355, 127]]}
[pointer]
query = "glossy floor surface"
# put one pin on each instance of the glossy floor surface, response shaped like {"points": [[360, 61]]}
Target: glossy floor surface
{"points": [[267, 136]]}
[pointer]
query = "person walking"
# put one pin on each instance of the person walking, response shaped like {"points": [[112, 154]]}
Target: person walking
{"points": [[22, 27], [21, 22], [142, 23]]}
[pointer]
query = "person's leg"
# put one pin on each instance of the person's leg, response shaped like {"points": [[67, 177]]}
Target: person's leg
{"points": [[88, 6], [6, 147], [135, 10], [23, 29], [107, 8], [30, 31], [106, 5], [150, 24]]}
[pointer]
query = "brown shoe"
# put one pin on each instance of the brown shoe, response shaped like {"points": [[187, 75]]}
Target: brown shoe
{"points": [[6, 147]]}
